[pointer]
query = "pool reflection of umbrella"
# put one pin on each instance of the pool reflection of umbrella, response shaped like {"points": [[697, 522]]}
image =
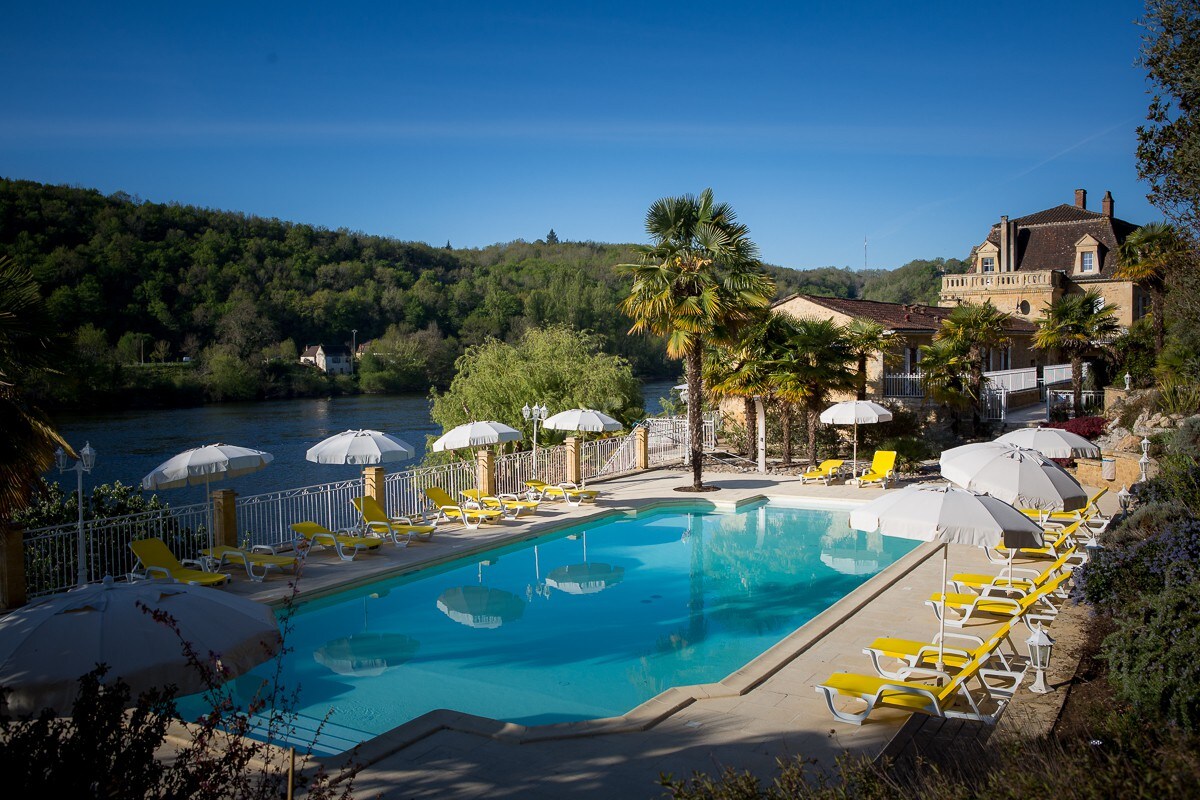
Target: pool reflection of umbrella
{"points": [[585, 578], [366, 654], [480, 607]]}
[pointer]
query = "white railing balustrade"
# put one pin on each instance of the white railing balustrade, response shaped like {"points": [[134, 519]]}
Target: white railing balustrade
{"points": [[264, 519], [404, 492], [1011, 380], [1056, 373], [608, 457], [903, 384], [51, 555], [514, 469]]}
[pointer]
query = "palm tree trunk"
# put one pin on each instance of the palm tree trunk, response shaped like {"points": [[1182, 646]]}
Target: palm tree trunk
{"points": [[977, 389], [751, 428], [694, 358], [1077, 383], [862, 376], [813, 418], [1157, 306], [787, 434]]}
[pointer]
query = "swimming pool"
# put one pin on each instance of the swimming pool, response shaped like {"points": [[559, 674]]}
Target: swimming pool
{"points": [[584, 623]]}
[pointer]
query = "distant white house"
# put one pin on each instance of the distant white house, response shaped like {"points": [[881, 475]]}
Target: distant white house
{"points": [[331, 359]]}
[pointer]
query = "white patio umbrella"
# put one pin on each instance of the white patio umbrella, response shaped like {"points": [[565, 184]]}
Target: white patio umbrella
{"points": [[46, 646], [476, 434], [1025, 478], [1052, 442], [947, 514], [365, 447], [201, 465], [584, 420], [855, 412]]}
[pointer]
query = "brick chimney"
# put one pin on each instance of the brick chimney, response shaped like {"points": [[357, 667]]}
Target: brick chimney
{"points": [[1081, 198], [1107, 204]]}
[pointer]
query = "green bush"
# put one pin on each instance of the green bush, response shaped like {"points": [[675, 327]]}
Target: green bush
{"points": [[1152, 656], [910, 451]]}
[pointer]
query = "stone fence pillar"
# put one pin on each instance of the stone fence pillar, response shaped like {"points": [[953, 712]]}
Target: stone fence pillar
{"points": [[12, 565], [641, 445], [225, 524], [485, 469], [373, 483], [574, 473]]}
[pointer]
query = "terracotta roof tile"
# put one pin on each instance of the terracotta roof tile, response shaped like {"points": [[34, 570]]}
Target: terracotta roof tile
{"points": [[1046, 239]]}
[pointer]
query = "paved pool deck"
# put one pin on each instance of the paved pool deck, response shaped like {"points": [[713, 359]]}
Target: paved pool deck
{"points": [[767, 711]]}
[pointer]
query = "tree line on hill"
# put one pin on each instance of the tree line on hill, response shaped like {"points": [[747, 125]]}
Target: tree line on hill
{"points": [[238, 297]]}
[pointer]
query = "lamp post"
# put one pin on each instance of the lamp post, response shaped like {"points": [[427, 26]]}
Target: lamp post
{"points": [[1123, 498], [1144, 461], [87, 460], [353, 348], [537, 414], [1128, 381], [1040, 647]]}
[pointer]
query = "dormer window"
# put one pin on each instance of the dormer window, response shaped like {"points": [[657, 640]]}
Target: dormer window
{"points": [[1087, 255], [988, 264], [1087, 261]]}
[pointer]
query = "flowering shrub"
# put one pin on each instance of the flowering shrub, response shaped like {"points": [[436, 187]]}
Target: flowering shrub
{"points": [[1087, 427], [1117, 576], [1152, 655]]}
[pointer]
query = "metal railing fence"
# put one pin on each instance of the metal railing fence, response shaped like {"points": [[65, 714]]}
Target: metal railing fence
{"points": [[52, 553], [264, 519], [404, 492], [512, 470]]}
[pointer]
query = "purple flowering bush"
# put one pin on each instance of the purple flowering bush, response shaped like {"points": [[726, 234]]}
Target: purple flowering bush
{"points": [[1117, 576]]}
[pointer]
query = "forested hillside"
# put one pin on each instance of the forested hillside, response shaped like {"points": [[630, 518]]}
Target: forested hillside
{"points": [[136, 282]]}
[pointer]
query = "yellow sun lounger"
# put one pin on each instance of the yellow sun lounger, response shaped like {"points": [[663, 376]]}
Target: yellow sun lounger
{"points": [[825, 472], [958, 651], [561, 491], [470, 517], [158, 561], [224, 554], [883, 467], [915, 694], [400, 530], [966, 606], [1054, 548], [1030, 580], [345, 545], [510, 504]]}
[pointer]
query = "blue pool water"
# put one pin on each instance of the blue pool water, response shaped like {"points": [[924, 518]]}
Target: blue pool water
{"points": [[580, 624]]}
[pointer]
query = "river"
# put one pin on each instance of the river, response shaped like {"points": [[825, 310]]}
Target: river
{"points": [[131, 444]]}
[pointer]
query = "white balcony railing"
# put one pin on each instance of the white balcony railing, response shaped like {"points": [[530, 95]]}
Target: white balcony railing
{"points": [[903, 384]]}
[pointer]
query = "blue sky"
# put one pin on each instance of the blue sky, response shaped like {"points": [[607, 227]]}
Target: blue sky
{"points": [[915, 125]]}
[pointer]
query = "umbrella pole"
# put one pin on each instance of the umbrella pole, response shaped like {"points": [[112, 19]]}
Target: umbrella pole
{"points": [[941, 665], [854, 457], [209, 508]]}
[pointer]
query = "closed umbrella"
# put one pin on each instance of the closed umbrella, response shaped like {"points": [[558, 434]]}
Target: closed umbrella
{"points": [[585, 420], [855, 412], [1019, 476], [46, 646], [201, 465], [951, 515], [1052, 442]]}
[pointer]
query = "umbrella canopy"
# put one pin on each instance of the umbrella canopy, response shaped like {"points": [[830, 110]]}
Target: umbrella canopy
{"points": [[366, 654], [1052, 442], [587, 420], [480, 607], [476, 434], [1025, 478], [46, 646], [363, 447], [585, 578], [948, 514], [203, 464], [855, 412]]}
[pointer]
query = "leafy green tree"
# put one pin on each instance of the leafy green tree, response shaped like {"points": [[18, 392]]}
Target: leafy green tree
{"points": [[228, 377], [558, 366], [1076, 325], [696, 284], [1168, 149], [868, 338], [1148, 256], [945, 375], [27, 346], [975, 329]]}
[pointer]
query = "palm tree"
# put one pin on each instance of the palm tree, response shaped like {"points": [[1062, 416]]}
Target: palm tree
{"points": [[809, 365], [26, 347], [974, 329], [738, 369], [1076, 324], [944, 375], [867, 338], [696, 284], [1147, 256]]}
